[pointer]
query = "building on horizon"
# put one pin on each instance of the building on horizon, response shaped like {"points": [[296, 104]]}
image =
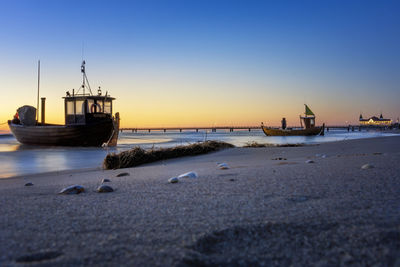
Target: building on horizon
{"points": [[375, 121]]}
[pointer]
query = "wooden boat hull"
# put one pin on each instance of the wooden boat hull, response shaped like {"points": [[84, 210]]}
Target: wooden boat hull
{"points": [[287, 132], [94, 134]]}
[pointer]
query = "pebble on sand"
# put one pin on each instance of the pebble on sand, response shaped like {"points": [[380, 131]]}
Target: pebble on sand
{"points": [[105, 180], [104, 189], [279, 158], [223, 166], [188, 175], [173, 180], [309, 161], [73, 189], [123, 174], [28, 184], [367, 166]]}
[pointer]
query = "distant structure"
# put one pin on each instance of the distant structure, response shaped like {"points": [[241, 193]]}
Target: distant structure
{"points": [[375, 121]]}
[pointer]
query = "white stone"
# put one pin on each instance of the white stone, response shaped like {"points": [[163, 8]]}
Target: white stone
{"points": [[188, 175], [367, 166], [223, 166]]}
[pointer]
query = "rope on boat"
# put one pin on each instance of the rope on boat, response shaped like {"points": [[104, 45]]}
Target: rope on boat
{"points": [[112, 134]]}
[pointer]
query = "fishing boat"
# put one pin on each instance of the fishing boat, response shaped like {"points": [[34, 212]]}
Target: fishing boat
{"points": [[309, 127], [88, 120]]}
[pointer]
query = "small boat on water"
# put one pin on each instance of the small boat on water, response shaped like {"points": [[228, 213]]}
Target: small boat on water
{"points": [[309, 127], [88, 121]]}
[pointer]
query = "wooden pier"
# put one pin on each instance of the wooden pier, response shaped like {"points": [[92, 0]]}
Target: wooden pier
{"points": [[197, 129], [241, 128]]}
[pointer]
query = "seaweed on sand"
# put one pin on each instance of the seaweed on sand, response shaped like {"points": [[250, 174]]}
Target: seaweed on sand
{"points": [[138, 156], [255, 144]]}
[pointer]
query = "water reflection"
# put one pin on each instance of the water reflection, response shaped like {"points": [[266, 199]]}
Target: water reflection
{"points": [[17, 159]]}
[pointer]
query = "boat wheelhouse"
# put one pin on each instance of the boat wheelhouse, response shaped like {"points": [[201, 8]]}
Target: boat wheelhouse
{"points": [[84, 109]]}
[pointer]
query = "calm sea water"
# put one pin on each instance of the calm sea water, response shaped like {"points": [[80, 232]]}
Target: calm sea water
{"points": [[17, 159]]}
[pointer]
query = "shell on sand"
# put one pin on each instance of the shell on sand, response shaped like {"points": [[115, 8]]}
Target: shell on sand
{"points": [[173, 180], [188, 175], [223, 166], [73, 189], [104, 189], [367, 166]]}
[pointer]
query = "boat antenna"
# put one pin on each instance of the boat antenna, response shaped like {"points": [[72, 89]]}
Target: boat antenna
{"points": [[85, 79], [83, 49], [38, 86]]}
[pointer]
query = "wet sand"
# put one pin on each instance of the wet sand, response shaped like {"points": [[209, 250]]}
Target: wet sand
{"points": [[261, 211]]}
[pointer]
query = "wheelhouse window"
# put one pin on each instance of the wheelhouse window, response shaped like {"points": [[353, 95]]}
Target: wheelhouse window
{"points": [[80, 107], [107, 106], [99, 106], [90, 108], [70, 108]]}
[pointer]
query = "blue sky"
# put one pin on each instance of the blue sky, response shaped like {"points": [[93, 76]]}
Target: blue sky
{"points": [[341, 57]]}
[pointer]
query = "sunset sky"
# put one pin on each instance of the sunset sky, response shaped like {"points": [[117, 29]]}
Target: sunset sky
{"points": [[201, 63]]}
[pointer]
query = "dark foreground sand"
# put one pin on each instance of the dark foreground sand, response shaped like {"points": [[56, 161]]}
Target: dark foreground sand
{"points": [[259, 212]]}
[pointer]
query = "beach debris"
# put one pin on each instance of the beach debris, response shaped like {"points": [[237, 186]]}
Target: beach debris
{"points": [[73, 189], [104, 189], [29, 184], [105, 180], [188, 175], [138, 156], [223, 166], [290, 145], [310, 161], [279, 158], [255, 144], [286, 163], [123, 174], [39, 256], [173, 180], [367, 166]]}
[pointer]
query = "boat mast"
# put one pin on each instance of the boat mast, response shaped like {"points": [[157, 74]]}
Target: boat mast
{"points": [[84, 78], [38, 86]]}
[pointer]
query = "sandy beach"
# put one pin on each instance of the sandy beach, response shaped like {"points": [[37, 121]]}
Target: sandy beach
{"points": [[270, 208]]}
